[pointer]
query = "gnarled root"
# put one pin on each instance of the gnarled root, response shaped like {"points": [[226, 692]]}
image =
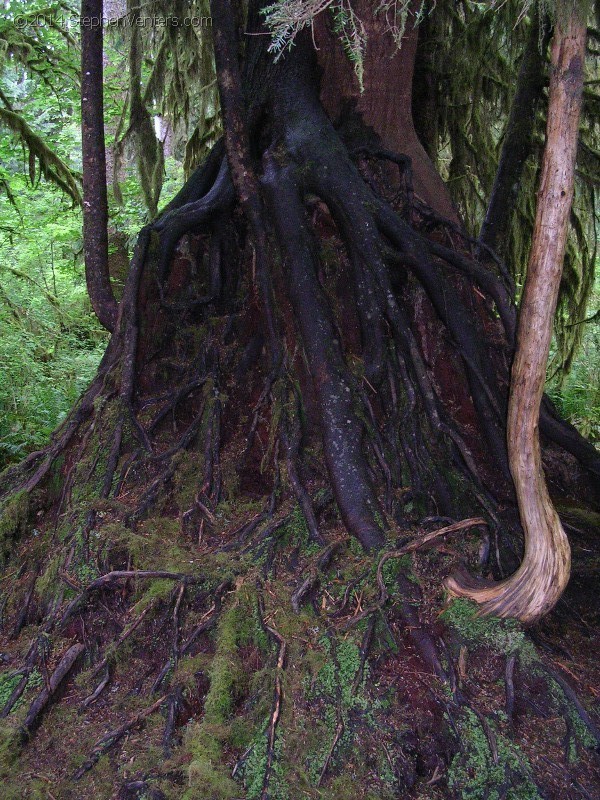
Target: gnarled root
{"points": [[538, 584]]}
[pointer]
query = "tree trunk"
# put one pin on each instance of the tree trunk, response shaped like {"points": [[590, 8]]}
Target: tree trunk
{"points": [[544, 573], [310, 367], [95, 200], [518, 139]]}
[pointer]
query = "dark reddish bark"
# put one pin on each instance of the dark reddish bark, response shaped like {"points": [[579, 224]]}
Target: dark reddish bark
{"points": [[95, 199], [386, 103]]}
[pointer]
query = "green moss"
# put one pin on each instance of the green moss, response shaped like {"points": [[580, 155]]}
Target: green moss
{"points": [[13, 522], [48, 585], [208, 776], [344, 787], [189, 466], [152, 546], [334, 687], [392, 568], [13, 789], [8, 682], [295, 532], [226, 671], [502, 635], [86, 572], [208, 780], [159, 589], [255, 769], [11, 740], [474, 774], [565, 706]]}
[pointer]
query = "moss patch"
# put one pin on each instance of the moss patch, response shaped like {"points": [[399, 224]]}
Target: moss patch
{"points": [[478, 774], [501, 635], [13, 522]]}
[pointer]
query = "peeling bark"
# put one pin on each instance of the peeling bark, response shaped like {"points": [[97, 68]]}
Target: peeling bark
{"points": [[544, 573]]}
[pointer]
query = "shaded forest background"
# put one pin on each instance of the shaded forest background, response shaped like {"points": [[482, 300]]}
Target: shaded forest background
{"points": [[50, 340]]}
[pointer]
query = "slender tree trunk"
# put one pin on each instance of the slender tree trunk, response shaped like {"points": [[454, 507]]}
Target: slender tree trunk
{"points": [[95, 200], [518, 140], [541, 579]]}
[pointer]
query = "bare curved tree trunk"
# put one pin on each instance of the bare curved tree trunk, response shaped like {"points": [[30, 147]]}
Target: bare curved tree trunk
{"points": [[544, 573]]}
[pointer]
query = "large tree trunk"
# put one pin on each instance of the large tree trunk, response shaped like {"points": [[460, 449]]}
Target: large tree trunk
{"points": [[308, 358]]}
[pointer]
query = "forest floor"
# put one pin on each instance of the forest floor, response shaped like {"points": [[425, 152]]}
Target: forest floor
{"points": [[236, 682]]}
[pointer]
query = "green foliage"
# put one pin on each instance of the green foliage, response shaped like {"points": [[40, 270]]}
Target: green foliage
{"points": [[482, 46], [8, 682], [577, 394], [37, 64], [50, 342], [351, 32]]}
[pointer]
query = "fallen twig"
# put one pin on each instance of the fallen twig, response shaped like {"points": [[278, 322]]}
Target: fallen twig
{"points": [[277, 701]]}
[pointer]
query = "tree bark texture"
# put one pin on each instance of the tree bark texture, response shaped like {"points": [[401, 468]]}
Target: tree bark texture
{"points": [[95, 199]]}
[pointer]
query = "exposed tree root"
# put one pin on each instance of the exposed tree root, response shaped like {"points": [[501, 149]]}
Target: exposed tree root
{"points": [[63, 668], [113, 737], [121, 575]]}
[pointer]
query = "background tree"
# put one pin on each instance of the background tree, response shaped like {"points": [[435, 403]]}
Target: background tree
{"points": [[95, 197], [311, 364]]}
